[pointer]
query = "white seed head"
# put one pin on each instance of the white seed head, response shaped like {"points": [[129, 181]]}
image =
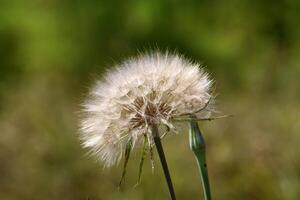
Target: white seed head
{"points": [[150, 89]]}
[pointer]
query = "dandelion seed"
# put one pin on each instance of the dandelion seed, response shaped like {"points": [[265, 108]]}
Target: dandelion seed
{"points": [[150, 89]]}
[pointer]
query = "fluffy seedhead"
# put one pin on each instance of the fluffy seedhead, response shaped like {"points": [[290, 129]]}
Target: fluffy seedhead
{"points": [[150, 89]]}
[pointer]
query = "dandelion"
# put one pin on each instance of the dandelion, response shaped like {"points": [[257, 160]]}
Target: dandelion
{"points": [[137, 99]]}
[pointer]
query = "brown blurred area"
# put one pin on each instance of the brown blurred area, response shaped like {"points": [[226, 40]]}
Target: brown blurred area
{"points": [[52, 51]]}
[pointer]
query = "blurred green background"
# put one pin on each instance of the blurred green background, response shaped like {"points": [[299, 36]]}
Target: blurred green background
{"points": [[51, 52]]}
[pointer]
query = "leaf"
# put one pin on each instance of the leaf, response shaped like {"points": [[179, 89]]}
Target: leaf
{"points": [[144, 152], [151, 157], [127, 155]]}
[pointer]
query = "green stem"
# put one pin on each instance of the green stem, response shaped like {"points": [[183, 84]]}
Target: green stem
{"points": [[163, 161], [197, 145]]}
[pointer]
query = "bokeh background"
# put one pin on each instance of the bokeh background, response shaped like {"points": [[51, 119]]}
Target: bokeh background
{"points": [[51, 52]]}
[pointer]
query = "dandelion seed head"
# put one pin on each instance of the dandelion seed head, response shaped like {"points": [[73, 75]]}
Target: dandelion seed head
{"points": [[149, 89]]}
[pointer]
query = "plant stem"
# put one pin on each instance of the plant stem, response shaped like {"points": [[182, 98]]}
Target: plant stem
{"points": [[163, 161], [197, 145]]}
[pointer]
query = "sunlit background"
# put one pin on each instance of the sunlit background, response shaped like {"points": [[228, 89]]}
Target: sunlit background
{"points": [[51, 52]]}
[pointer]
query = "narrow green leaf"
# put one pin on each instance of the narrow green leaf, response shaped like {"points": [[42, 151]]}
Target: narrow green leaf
{"points": [[144, 152], [127, 155], [189, 118], [151, 157]]}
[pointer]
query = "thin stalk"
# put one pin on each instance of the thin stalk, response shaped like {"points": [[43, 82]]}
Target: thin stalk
{"points": [[197, 145], [163, 161]]}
